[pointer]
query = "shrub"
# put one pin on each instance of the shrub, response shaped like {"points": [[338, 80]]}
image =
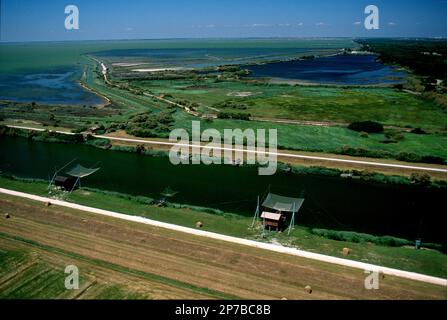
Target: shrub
{"points": [[366, 126], [396, 136], [398, 86], [100, 143], [408, 157], [224, 115], [412, 157], [423, 179], [236, 116], [418, 131], [361, 152], [230, 104], [355, 237], [3, 130], [432, 160], [150, 125], [80, 130]]}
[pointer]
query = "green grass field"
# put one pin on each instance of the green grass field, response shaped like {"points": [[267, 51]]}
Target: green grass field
{"points": [[329, 139], [331, 104], [38, 281], [426, 261]]}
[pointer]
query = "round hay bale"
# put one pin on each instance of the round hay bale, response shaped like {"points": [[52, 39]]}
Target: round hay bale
{"points": [[199, 224], [283, 298], [381, 275], [308, 289], [47, 204], [7, 216], [346, 251]]}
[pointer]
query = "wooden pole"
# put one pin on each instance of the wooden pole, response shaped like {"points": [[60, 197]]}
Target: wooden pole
{"points": [[292, 220], [256, 214], [74, 186]]}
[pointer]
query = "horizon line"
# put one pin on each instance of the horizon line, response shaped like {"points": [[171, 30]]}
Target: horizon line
{"points": [[223, 38]]}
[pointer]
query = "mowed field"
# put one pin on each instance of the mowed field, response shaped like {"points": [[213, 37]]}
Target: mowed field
{"points": [[120, 259]]}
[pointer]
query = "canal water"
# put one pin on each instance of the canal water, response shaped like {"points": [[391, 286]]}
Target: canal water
{"points": [[331, 202]]}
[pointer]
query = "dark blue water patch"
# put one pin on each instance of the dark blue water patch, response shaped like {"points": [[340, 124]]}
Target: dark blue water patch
{"points": [[339, 69], [56, 86]]}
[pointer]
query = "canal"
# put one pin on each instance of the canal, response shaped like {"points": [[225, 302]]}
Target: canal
{"points": [[331, 202]]}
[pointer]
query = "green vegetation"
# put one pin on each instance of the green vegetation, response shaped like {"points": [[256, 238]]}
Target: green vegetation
{"points": [[39, 281], [339, 140], [331, 104], [49, 283], [427, 261], [356, 237], [425, 57], [118, 292], [150, 125]]}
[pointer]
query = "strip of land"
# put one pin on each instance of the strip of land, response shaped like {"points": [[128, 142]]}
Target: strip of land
{"points": [[172, 264], [271, 247], [440, 171]]}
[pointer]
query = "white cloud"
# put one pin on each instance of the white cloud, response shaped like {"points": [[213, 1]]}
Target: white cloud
{"points": [[300, 24], [320, 24], [392, 24], [357, 23]]}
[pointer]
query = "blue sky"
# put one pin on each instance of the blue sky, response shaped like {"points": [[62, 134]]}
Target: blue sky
{"points": [[43, 20]]}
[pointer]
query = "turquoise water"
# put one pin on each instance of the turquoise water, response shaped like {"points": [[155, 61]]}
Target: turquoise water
{"points": [[53, 86], [47, 72]]}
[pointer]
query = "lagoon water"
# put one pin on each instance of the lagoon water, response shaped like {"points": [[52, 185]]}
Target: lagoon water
{"points": [[338, 69], [52, 86], [331, 202], [46, 72]]}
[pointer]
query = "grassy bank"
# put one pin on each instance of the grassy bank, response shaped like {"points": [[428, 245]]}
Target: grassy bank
{"points": [[337, 140], [427, 261]]}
